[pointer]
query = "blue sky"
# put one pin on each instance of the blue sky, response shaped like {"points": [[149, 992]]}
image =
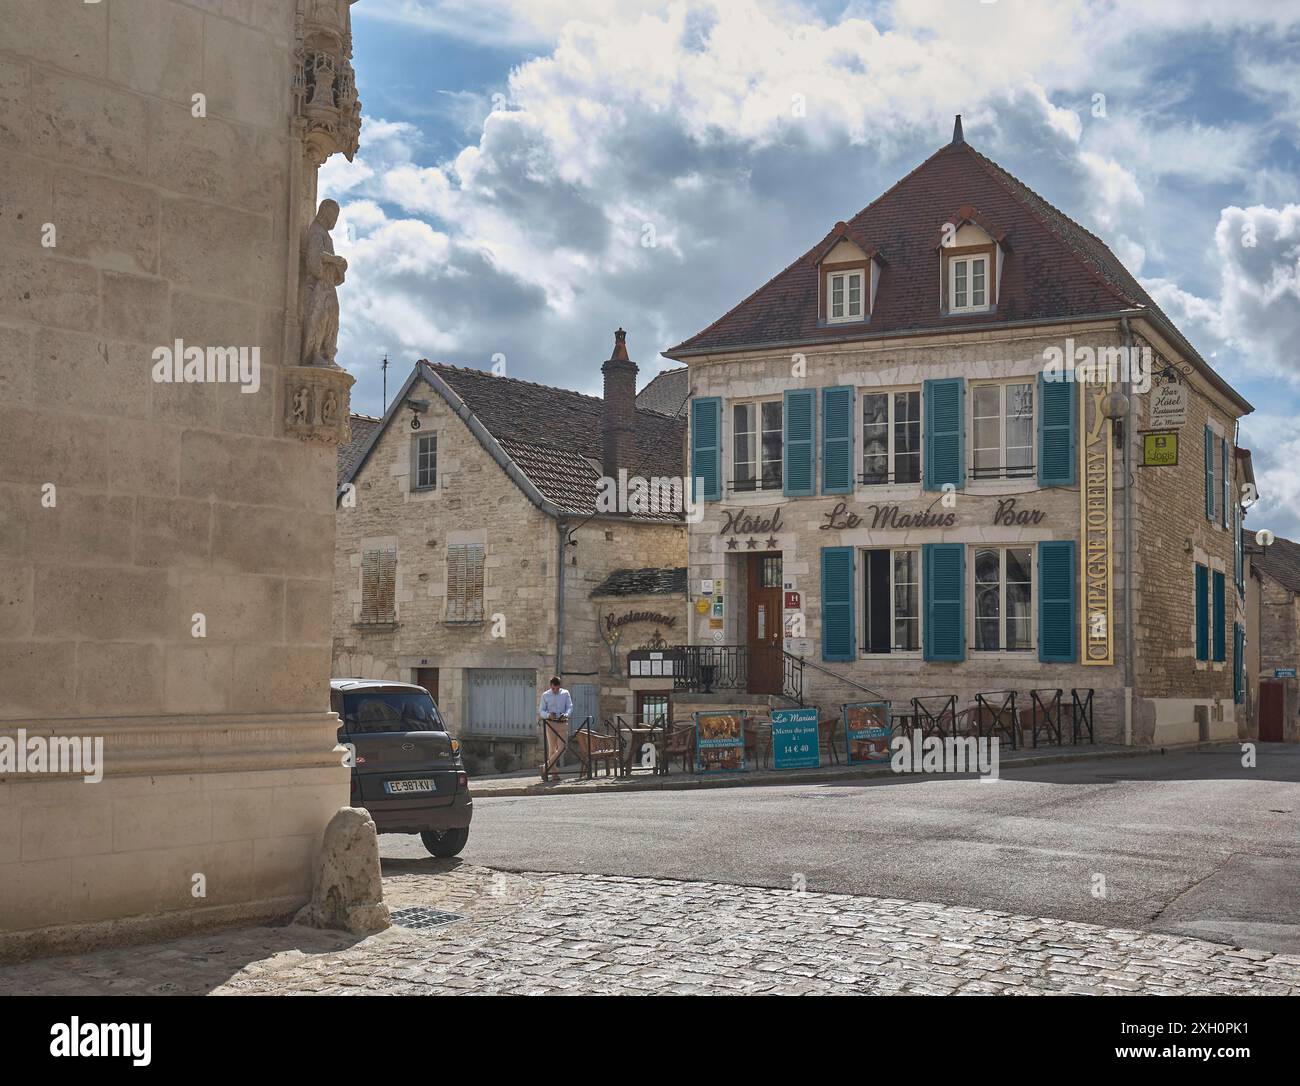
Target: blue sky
{"points": [[534, 174]]}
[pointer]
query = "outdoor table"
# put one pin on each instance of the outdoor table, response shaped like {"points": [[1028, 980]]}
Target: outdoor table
{"points": [[638, 735]]}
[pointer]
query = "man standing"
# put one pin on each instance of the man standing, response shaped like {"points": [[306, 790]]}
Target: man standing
{"points": [[554, 709]]}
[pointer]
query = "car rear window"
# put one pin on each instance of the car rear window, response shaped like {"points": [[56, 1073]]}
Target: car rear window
{"points": [[390, 711]]}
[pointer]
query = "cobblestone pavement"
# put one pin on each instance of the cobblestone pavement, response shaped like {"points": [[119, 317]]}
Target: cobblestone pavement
{"points": [[527, 934]]}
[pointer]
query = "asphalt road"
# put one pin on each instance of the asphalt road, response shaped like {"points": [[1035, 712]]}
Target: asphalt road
{"points": [[1189, 843]]}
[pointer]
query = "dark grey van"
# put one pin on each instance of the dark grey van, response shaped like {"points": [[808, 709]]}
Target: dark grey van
{"points": [[408, 771]]}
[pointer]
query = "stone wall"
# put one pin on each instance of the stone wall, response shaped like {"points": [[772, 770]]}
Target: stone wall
{"points": [[134, 214]]}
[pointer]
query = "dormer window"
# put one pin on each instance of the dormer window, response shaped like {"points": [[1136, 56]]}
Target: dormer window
{"points": [[844, 296], [968, 284]]}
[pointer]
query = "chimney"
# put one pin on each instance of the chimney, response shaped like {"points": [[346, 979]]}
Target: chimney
{"points": [[618, 419], [957, 136]]}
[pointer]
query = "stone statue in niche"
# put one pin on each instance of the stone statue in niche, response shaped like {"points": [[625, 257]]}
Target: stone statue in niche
{"points": [[329, 409], [301, 406], [325, 271]]}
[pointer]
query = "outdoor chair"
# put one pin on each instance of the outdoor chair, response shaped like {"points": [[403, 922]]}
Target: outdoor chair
{"points": [[826, 727], [758, 743], [595, 748], [679, 742]]}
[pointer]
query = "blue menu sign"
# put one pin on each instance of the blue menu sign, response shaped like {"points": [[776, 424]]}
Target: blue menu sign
{"points": [[794, 739]]}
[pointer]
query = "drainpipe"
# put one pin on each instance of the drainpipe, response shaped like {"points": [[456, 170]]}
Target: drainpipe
{"points": [[562, 537], [1128, 541]]}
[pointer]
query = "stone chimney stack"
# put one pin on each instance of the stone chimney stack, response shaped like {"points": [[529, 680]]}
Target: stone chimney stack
{"points": [[618, 420]]}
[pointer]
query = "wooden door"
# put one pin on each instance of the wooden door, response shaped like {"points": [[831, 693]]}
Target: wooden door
{"points": [[765, 625], [427, 677], [1270, 711]]}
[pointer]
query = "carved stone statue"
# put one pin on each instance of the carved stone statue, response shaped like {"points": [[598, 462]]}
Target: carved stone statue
{"points": [[324, 273], [329, 409], [301, 405]]}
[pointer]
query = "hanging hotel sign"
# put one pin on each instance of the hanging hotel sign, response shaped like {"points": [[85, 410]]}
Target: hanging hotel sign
{"points": [[1160, 450], [1096, 526], [1167, 406]]}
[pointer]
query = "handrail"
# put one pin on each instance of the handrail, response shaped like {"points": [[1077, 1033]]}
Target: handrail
{"points": [[805, 662]]}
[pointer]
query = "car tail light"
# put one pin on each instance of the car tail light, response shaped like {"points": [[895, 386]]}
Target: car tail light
{"points": [[462, 779]]}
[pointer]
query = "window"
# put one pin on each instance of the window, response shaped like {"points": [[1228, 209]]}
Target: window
{"points": [[465, 582], [378, 585], [769, 571], [424, 462], [844, 294], [756, 449], [891, 437], [967, 283], [891, 602], [1004, 600], [1002, 425], [390, 711]]}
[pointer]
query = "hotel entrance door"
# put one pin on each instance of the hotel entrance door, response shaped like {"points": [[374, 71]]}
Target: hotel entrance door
{"points": [[764, 622]]}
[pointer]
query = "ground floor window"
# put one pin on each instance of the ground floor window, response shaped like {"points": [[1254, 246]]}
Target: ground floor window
{"points": [[1003, 592], [891, 601]]}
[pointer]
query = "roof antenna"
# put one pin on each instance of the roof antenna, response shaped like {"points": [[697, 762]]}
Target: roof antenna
{"points": [[384, 367], [957, 136]]}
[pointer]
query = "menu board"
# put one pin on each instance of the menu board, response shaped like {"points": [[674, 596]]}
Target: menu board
{"points": [[795, 742], [719, 742], [867, 731]]}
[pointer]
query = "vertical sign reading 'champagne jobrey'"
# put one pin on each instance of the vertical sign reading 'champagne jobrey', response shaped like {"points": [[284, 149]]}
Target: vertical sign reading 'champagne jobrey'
{"points": [[1095, 526]]}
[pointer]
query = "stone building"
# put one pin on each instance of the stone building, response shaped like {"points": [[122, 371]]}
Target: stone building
{"points": [[472, 556], [906, 496], [1269, 686], [166, 461]]}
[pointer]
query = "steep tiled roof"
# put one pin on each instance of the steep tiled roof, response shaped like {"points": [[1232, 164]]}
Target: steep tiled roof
{"points": [[1053, 268], [1280, 560], [666, 393], [363, 427], [651, 581], [553, 434]]}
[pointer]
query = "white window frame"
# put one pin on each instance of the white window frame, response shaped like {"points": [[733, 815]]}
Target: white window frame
{"points": [[972, 626], [1028, 471], [969, 262], [849, 316], [416, 438], [894, 650], [758, 432], [861, 436]]}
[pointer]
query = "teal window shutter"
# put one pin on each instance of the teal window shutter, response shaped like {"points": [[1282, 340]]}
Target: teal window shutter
{"points": [[1056, 602], [706, 447], [837, 440], [1238, 664], [838, 640], [1220, 631], [1238, 556], [799, 415], [1202, 612], [943, 575], [1057, 451], [1227, 479], [1209, 474], [945, 424]]}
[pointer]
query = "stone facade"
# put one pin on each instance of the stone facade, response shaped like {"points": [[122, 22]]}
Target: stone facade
{"points": [[476, 502], [165, 548], [1169, 507]]}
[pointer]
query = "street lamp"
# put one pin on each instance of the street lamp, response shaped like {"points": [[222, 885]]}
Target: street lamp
{"points": [[1115, 406]]}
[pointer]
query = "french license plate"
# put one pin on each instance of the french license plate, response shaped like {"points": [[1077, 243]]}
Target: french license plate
{"points": [[396, 788]]}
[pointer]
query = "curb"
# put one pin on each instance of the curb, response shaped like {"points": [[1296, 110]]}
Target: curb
{"points": [[686, 782]]}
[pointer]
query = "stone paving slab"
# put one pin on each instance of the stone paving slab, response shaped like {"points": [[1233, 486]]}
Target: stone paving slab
{"points": [[676, 780], [543, 933]]}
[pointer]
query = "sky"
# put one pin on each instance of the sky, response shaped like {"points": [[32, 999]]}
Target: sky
{"points": [[536, 173]]}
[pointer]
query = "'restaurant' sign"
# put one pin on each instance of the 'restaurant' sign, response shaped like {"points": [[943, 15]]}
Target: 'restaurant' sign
{"points": [[1167, 406], [1095, 527]]}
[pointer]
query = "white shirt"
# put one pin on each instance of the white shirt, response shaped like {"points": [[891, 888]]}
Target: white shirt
{"points": [[560, 704]]}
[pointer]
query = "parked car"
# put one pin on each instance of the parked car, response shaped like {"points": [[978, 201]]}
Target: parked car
{"points": [[408, 771]]}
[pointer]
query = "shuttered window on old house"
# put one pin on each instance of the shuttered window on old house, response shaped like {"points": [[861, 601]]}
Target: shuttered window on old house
{"points": [[838, 630], [1220, 630], [1202, 612], [379, 586], [465, 582], [1057, 451], [837, 440], [943, 573], [706, 448], [945, 450], [1056, 601], [800, 443]]}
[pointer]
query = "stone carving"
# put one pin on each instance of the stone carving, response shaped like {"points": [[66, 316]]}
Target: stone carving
{"points": [[324, 84], [325, 272], [348, 893], [315, 403]]}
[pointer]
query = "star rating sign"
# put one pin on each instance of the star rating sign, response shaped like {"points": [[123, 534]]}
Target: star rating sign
{"points": [[751, 543], [731, 543], [771, 542]]}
